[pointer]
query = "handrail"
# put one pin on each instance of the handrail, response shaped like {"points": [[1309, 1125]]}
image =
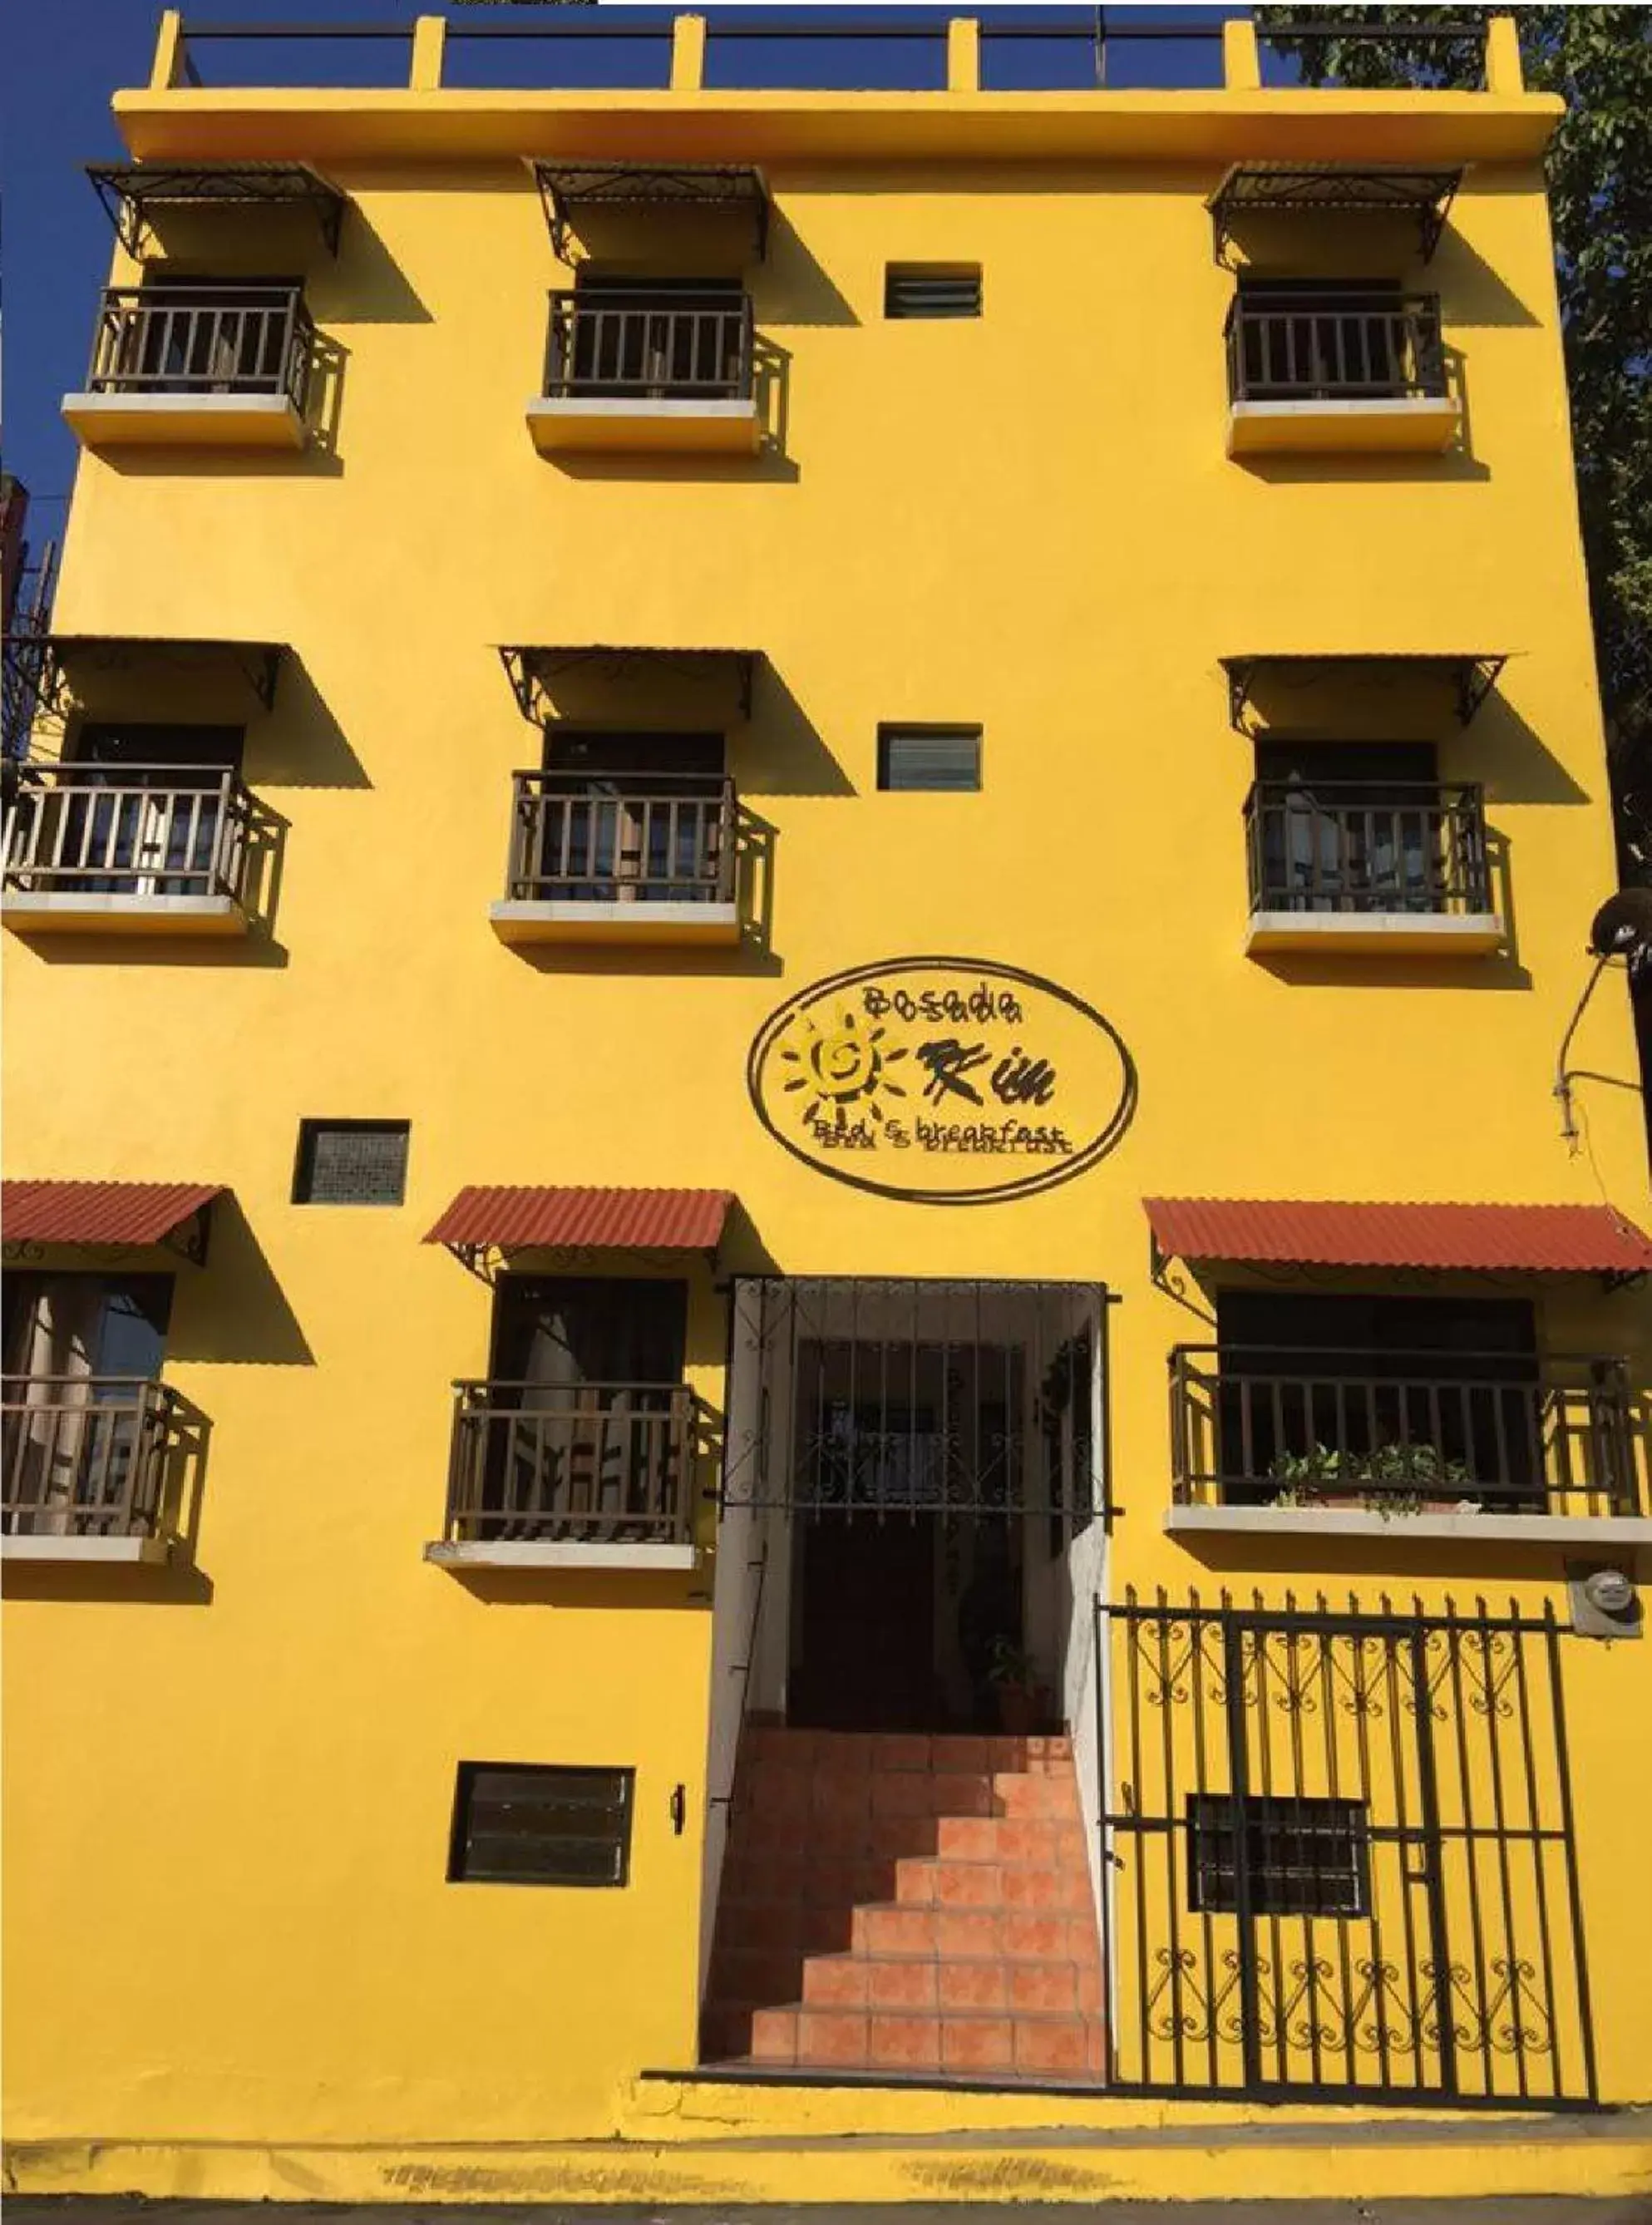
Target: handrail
{"points": [[207, 339], [593, 1462], [1351, 344], [616, 838], [77, 827], [76, 1462], [1536, 1433], [618, 340], [1374, 845]]}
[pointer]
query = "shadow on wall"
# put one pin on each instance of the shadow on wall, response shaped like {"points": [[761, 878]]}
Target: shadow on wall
{"points": [[233, 1312], [176, 1583], [1308, 970], [1476, 1566], [594, 1591], [300, 744]]}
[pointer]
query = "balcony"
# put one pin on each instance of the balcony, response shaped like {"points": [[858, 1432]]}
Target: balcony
{"points": [[1399, 868], [197, 366], [85, 1462], [122, 849], [581, 1475], [636, 368], [1490, 1447], [1313, 371], [612, 857]]}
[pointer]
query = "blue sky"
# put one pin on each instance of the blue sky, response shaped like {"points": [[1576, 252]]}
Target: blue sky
{"points": [[65, 57]]}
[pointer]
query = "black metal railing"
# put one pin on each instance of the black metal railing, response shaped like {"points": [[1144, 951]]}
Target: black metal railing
{"points": [[203, 339], [128, 830], [85, 1456], [640, 344], [596, 1463], [1358, 847], [1403, 1433], [648, 837], [1353, 346], [1339, 1854]]}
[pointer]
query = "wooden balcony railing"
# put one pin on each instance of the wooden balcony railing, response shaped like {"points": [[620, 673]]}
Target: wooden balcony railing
{"points": [[1403, 1432], [1359, 846], [1289, 347], [650, 837], [85, 1456], [624, 341], [608, 1463], [203, 339], [128, 830]]}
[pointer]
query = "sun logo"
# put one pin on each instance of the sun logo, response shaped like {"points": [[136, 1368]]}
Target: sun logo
{"points": [[843, 1066]]}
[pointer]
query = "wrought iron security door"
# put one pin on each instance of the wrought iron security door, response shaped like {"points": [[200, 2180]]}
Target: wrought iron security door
{"points": [[1340, 1857]]}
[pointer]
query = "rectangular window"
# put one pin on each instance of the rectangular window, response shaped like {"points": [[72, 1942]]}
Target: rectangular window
{"points": [[932, 289], [1302, 1857], [527, 1825], [351, 1162], [937, 758]]}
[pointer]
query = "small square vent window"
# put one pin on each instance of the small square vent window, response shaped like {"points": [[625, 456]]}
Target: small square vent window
{"points": [[932, 289], [524, 1825], [351, 1162], [1300, 1857], [939, 758]]}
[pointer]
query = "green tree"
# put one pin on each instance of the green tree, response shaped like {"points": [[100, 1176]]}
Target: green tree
{"points": [[1600, 195]]}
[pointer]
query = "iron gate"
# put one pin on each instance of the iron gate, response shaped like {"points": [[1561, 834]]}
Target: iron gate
{"points": [[899, 1397], [1339, 1855]]}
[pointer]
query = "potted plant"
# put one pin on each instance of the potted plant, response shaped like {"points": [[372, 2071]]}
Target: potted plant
{"points": [[1389, 1479], [1014, 1681]]}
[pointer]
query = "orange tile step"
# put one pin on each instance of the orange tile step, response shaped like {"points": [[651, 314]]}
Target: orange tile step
{"points": [[905, 2040]]}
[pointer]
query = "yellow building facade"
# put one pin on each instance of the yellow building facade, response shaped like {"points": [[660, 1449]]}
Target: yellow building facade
{"points": [[667, 957]]}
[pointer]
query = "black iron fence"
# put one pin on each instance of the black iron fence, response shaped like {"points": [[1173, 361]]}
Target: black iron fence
{"points": [[128, 830], [639, 343], [1339, 1856], [85, 1456], [900, 1398], [1296, 346], [648, 837], [1404, 1432], [203, 339], [1352, 847], [581, 1463]]}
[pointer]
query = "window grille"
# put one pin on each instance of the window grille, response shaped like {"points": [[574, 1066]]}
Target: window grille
{"points": [[520, 1824], [915, 289], [351, 1162], [939, 759]]}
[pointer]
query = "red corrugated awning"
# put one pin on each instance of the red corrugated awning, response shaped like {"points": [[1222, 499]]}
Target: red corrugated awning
{"points": [[1540, 1239], [604, 1220], [100, 1212]]}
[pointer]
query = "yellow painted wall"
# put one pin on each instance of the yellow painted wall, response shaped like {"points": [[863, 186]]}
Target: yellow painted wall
{"points": [[230, 1786]]}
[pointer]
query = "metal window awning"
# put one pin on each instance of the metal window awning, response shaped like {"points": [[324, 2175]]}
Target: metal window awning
{"points": [[499, 1219], [1470, 676], [564, 187], [533, 670], [134, 193], [1337, 188], [75, 666], [1537, 1239], [36, 1213]]}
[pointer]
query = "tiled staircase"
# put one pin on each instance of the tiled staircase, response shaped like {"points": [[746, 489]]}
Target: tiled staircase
{"points": [[906, 1905]]}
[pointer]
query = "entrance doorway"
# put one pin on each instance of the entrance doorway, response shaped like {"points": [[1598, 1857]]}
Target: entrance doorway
{"points": [[922, 1467]]}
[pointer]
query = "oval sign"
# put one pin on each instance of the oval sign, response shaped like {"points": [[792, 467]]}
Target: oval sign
{"points": [[947, 1080]]}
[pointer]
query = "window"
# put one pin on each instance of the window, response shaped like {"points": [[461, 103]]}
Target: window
{"points": [[932, 289], [519, 1824], [351, 1162], [1302, 1857], [938, 759]]}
